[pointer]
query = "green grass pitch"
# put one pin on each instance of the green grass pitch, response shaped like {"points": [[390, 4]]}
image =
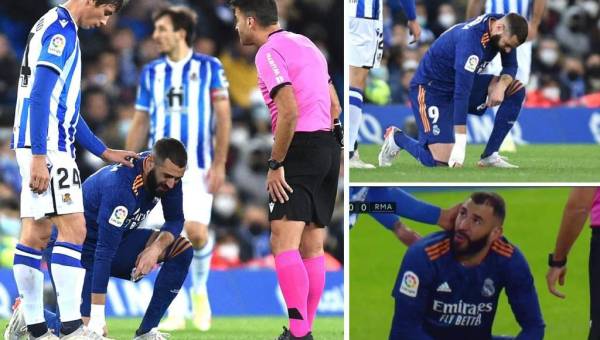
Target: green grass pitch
{"points": [[533, 217], [538, 163], [231, 328]]}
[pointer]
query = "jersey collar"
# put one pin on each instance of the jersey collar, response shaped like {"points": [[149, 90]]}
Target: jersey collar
{"points": [[181, 62], [70, 16], [275, 32]]}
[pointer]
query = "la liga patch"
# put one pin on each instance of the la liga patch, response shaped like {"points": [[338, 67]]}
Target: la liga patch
{"points": [[57, 45], [471, 64], [410, 284], [118, 216]]}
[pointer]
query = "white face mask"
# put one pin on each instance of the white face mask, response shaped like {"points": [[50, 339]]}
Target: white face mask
{"points": [[548, 56], [225, 205], [229, 251], [552, 93], [446, 19]]}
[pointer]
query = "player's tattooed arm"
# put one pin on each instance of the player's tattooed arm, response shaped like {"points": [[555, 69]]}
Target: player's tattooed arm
{"points": [[497, 89], [148, 258]]}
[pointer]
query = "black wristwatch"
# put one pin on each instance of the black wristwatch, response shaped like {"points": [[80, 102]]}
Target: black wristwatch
{"points": [[557, 264], [273, 164]]}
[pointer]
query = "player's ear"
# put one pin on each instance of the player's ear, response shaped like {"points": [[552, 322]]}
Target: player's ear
{"points": [[151, 162], [496, 233]]}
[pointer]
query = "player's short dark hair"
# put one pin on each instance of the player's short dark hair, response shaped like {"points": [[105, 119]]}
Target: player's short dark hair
{"points": [[265, 11], [493, 200], [517, 25], [117, 3], [170, 148], [182, 18]]}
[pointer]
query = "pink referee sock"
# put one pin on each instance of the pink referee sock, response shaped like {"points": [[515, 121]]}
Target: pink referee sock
{"points": [[315, 268], [293, 281]]}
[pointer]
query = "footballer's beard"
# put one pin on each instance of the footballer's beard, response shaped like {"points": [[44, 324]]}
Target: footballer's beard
{"points": [[151, 185], [495, 41], [472, 248]]}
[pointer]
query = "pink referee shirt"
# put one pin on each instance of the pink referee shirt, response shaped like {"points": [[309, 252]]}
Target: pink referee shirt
{"points": [[595, 214], [289, 58]]}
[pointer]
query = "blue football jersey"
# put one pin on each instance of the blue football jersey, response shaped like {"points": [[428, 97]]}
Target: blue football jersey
{"points": [[439, 298], [115, 203], [463, 51]]}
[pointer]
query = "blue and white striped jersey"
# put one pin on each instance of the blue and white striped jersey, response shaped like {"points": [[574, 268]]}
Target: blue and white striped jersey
{"points": [[368, 9], [52, 43], [177, 96], [521, 7]]}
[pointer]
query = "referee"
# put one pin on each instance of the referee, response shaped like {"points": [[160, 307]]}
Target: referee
{"points": [[305, 160], [583, 201]]}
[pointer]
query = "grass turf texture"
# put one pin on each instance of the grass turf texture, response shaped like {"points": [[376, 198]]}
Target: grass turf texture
{"points": [[230, 328], [538, 163], [532, 221]]}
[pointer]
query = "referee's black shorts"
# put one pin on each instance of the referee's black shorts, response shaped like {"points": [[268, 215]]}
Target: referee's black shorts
{"points": [[312, 169]]}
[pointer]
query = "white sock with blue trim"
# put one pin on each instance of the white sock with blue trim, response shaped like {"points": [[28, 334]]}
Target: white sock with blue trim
{"points": [[68, 278], [30, 283]]}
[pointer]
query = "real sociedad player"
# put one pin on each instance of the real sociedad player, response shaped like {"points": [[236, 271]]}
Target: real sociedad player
{"points": [[184, 95], [365, 38], [117, 199], [47, 124], [448, 85], [406, 205], [449, 282], [303, 173]]}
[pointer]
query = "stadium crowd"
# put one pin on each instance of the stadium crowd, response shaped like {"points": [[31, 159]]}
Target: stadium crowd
{"points": [[565, 58], [112, 57]]}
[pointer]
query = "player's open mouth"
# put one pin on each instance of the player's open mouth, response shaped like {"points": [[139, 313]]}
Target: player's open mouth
{"points": [[459, 238]]}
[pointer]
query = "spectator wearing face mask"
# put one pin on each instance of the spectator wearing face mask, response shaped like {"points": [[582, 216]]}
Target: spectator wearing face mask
{"points": [[592, 73], [547, 58], [256, 231], [572, 80], [546, 95], [446, 18], [225, 211]]}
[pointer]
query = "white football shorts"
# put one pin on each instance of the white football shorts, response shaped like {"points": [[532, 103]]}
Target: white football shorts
{"points": [[365, 42], [64, 194]]}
